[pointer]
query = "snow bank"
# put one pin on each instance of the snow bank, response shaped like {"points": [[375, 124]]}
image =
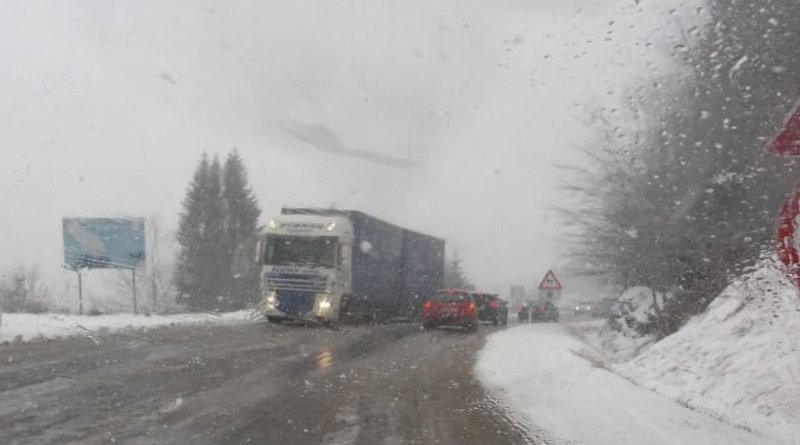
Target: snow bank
{"points": [[22, 327], [739, 361], [615, 345], [555, 382]]}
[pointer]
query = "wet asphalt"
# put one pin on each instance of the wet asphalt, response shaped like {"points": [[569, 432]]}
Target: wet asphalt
{"points": [[252, 383]]}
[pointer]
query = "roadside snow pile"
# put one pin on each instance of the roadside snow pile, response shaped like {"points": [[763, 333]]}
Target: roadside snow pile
{"points": [[738, 361], [23, 327], [617, 346], [625, 335], [558, 387]]}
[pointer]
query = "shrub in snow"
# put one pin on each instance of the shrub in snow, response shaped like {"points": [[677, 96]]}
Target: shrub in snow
{"points": [[636, 312]]}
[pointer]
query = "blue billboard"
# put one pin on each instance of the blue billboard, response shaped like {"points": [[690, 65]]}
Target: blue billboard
{"points": [[103, 243]]}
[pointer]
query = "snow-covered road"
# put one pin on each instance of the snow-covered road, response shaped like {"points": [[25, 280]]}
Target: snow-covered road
{"points": [[555, 382]]}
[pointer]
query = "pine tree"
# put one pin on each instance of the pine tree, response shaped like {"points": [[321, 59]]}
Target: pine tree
{"points": [[241, 226], [216, 270], [200, 235], [216, 233], [189, 272], [454, 277]]}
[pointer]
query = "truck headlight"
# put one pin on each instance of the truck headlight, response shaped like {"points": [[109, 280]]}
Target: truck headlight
{"points": [[323, 304], [272, 299]]}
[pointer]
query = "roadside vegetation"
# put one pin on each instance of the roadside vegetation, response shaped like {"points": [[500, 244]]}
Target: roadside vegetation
{"points": [[688, 202]]}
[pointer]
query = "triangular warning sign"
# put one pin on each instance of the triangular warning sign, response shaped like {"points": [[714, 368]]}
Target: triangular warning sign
{"points": [[550, 282]]}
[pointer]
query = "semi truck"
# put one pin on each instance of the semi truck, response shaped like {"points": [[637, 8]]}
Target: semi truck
{"points": [[344, 266]]}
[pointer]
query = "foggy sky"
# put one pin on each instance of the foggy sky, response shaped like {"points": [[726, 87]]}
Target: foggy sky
{"points": [[107, 106]]}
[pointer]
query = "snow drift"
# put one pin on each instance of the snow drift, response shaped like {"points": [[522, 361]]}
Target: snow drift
{"points": [[739, 360], [558, 387]]}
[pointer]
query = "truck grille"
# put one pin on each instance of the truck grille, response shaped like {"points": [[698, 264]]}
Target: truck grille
{"points": [[297, 303], [296, 281]]}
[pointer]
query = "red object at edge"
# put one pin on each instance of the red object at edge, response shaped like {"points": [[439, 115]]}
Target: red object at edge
{"points": [[787, 230], [787, 141]]}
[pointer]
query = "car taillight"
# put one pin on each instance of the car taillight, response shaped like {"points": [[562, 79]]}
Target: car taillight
{"points": [[541, 308], [494, 305], [471, 306], [427, 306]]}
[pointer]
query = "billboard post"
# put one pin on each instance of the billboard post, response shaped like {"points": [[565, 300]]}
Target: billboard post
{"points": [[133, 287], [80, 293]]}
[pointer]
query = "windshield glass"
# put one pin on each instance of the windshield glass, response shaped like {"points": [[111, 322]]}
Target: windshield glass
{"points": [[297, 250], [385, 222]]}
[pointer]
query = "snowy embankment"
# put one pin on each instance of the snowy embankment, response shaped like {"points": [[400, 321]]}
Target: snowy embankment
{"points": [[739, 361], [25, 327], [558, 384]]}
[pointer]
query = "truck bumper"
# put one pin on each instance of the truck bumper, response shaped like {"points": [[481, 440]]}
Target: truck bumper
{"points": [[294, 305]]}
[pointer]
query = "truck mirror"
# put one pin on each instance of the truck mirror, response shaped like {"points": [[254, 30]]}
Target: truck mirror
{"points": [[259, 251]]}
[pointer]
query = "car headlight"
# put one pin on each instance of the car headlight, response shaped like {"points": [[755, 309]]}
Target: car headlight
{"points": [[272, 299], [272, 224]]}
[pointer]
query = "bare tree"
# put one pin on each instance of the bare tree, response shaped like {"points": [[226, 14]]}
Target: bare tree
{"points": [[160, 263], [155, 289], [22, 290], [690, 199]]}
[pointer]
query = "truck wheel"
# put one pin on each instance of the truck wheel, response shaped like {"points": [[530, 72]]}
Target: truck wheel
{"points": [[275, 320]]}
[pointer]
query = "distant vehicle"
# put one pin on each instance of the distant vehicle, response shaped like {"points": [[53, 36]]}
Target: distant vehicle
{"points": [[603, 308], [539, 310], [450, 307], [583, 308], [345, 266], [491, 308]]}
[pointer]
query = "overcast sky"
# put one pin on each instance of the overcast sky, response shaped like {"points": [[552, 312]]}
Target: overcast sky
{"points": [[107, 106]]}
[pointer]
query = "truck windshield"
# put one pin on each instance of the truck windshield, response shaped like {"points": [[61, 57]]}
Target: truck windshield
{"points": [[305, 250]]}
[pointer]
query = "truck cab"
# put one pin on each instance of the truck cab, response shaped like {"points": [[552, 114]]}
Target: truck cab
{"points": [[305, 266]]}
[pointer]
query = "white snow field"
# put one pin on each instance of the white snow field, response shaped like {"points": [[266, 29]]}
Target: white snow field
{"points": [[26, 327], [739, 361], [553, 381]]}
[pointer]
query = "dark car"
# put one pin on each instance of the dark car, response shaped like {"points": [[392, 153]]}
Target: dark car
{"points": [[450, 307], [540, 310], [491, 308], [583, 307]]}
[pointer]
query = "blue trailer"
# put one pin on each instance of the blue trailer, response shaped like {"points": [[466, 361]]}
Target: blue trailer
{"points": [[346, 266]]}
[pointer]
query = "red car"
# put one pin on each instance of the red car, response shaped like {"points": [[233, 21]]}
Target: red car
{"points": [[450, 307]]}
